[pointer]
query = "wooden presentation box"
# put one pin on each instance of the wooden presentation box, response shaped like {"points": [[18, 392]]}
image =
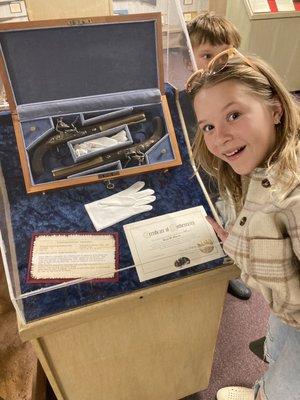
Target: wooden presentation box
{"points": [[67, 79]]}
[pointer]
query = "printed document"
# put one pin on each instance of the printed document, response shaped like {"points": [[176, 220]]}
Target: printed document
{"points": [[70, 256], [172, 242]]}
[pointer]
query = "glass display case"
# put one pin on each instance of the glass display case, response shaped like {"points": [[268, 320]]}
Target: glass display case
{"points": [[85, 328], [178, 59], [270, 32], [64, 211], [53, 103]]}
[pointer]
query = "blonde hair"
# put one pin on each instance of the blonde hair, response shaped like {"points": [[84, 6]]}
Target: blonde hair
{"points": [[208, 27], [266, 85]]}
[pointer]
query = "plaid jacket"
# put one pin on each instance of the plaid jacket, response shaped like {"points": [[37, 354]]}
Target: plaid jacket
{"points": [[265, 243]]}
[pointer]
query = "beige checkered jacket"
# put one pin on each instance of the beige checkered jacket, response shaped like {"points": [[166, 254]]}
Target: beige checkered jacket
{"points": [[265, 243]]}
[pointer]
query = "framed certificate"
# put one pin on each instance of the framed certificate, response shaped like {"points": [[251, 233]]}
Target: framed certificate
{"points": [[58, 257], [171, 242]]}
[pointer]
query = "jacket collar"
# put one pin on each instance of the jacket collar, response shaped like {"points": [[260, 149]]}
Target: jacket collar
{"points": [[278, 180]]}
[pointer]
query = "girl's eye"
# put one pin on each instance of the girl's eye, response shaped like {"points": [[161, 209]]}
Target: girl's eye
{"points": [[207, 56], [233, 116], [207, 128]]}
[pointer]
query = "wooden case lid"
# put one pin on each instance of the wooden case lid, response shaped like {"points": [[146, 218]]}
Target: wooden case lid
{"points": [[45, 61]]}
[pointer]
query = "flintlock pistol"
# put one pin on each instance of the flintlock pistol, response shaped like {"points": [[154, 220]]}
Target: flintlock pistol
{"points": [[64, 132], [135, 152]]}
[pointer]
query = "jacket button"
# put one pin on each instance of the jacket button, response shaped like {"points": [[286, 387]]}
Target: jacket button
{"points": [[265, 183], [243, 221]]}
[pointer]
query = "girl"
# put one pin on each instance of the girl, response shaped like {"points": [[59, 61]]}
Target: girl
{"points": [[248, 140]]}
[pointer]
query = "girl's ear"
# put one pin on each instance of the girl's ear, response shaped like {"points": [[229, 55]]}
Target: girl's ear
{"points": [[277, 111]]}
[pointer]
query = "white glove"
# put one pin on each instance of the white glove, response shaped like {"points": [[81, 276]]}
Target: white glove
{"points": [[119, 206]]}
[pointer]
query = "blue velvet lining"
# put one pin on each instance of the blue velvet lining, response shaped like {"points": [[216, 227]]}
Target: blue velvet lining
{"points": [[63, 211], [160, 151], [111, 57], [56, 159], [111, 167], [42, 128], [106, 133], [89, 103]]}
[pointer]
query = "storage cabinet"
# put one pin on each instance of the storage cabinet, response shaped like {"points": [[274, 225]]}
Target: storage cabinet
{"points": [[274, 36]]}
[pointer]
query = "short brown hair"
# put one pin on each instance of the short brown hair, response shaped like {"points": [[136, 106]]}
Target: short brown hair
{"points": [[208, 27]]}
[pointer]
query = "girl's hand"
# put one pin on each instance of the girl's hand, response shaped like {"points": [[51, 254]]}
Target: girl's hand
{"points": [[221, 233]]}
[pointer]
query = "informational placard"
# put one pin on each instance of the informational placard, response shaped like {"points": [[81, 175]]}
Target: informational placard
{"points": [[258, 6], [57, 257], [285, 5], [171, 242]]}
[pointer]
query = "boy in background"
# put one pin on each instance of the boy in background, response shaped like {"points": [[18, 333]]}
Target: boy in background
{"points": [[210, 35]]}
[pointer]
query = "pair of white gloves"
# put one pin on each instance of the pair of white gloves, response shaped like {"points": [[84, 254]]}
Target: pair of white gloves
{"points": [[120, 206]]}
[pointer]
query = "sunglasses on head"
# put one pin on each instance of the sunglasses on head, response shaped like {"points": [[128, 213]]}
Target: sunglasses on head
{"points": [[217, 64]]}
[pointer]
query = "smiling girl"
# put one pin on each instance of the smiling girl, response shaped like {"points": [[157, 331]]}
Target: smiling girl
{"points": [[248, 140]]}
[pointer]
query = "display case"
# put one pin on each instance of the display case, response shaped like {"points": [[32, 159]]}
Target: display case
{"points": [[178, 58], [68, 83], [12, 11], [64, 210], [85, 329], [271, 34], [190, 8]]}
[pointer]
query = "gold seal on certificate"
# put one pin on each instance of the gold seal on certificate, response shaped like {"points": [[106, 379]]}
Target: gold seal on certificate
{"points": [[171, 242], [206, 246]]}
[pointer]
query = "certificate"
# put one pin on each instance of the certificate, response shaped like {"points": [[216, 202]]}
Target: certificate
{"points": [[171, 242], [58, 257]]}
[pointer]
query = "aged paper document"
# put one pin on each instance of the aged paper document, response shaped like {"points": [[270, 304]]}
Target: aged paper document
{"points": [[171, 242], [71, 256]]}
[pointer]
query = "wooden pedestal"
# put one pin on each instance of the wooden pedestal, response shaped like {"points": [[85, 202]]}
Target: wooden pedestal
{"points": [[156, 343]]}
